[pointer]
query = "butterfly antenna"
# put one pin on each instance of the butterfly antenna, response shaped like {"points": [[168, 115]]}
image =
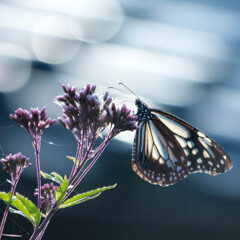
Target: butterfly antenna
{"points": [[128, 89], [119, 90], [127, 101]]}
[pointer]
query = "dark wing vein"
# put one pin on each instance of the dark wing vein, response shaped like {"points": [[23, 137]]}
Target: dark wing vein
{"points": [[203, 153], [157, 155]]}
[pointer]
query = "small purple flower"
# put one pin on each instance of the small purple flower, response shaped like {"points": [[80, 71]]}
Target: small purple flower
{"points": [[122, 119], [88, 114], [35, 122], [14, 164], [48, 193]]}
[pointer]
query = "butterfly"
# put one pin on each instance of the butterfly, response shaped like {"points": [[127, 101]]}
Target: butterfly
{"points": [[166, 149]]}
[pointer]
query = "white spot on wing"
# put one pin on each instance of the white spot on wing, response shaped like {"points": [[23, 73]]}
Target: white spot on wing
{"points": [[155, 153], [199, 160], [210, 163], [186, 151], [206, 154], [207, 147], [181, 141], [169, 164], [161, 161], [200, 134], [190, 144], [179, 168], [207, 139], [174, 127], [194, 151]]}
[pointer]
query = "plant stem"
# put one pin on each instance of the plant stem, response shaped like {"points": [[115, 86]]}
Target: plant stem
{"points": [[4, 220], [43, 225], [74, 165], [43, 231], [37, 156], [7, 207], [39, 231], [86, 170]]}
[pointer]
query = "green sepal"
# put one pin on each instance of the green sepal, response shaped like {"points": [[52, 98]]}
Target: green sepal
{"points": [[9, 181], [74, 160], [46, 175], [83, 197], [58, 178], [61, 191], [2, 195], [53, 176], [27, 209], [6, 197]]}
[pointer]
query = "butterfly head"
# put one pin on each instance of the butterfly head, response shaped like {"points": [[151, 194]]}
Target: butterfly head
{"points": [[143, 113]]}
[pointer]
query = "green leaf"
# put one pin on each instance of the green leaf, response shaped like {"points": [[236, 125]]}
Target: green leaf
{"points": [[73, 203], [31, 207], [53, 176], [12, 210], [61, 190], [58, 178], [74, 160], [17, 203], [27, 209], [82, 197]]}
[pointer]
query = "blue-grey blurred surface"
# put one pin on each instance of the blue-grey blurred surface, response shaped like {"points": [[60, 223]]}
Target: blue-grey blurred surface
{"points": [[180, 56]]}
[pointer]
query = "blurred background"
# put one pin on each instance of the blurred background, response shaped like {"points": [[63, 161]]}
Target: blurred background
{"points": [[181, 56]]}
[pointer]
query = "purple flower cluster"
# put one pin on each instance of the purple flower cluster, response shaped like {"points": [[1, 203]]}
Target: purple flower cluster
{"points": [[48, 193], [34, 122], [122, 118], [14, 164], [88, 114]]}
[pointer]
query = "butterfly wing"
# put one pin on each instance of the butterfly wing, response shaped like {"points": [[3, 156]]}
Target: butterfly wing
{"points": [[203, 153], [157, 155]]}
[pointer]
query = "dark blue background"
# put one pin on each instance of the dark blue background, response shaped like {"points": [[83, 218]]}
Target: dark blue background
{"points": [[181, 56]]}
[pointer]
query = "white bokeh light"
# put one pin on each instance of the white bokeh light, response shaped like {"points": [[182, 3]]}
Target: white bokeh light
{"points": [[52, 40], [15, 67], [99, 20]]}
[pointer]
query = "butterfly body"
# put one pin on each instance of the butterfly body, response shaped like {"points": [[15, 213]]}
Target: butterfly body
{"points": [[166, 149]]}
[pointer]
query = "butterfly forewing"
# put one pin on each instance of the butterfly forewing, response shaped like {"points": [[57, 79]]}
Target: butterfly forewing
{"points": [[157, 155], [203, 154], [166, 149]]}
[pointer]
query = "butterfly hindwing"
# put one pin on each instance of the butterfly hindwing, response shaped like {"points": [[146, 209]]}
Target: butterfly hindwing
{"points": [[203, 154], [157, 155]]}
